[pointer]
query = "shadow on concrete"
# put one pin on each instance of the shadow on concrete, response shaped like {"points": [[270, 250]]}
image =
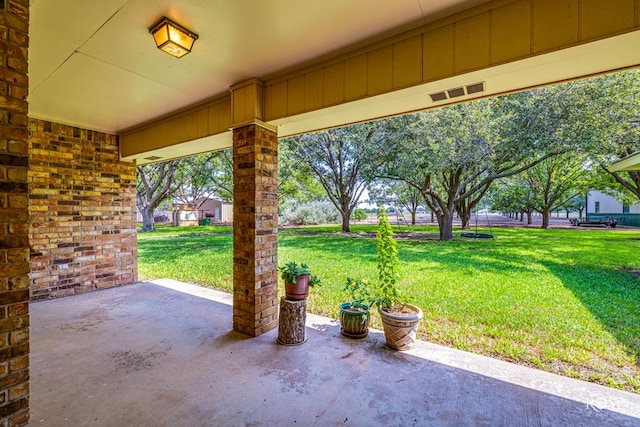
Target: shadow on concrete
{"points": [[162, 353]]}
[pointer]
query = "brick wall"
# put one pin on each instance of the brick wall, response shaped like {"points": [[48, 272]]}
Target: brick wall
{"points": [[255, 230], [14, 215], [84, 235]]}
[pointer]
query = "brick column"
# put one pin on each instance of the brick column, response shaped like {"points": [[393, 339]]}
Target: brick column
{"points": [[255, 229], [14, 215]]}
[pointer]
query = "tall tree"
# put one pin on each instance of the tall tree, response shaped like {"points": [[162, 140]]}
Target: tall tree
{"points": [[397, 193], [457, 152], [613, 105], [343, 160], [465, 206], [575, 204], [296, 182], [513, 196], [155, 183], [203, 176], [196, 189], [222, 174], [554, 182]]}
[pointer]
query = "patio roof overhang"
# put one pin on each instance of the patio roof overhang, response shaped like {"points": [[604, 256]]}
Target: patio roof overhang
{"points": [[275, 62], [628, 164]]}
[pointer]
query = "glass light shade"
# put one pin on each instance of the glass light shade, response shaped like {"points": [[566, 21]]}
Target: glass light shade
{"points": [[172, 38]]}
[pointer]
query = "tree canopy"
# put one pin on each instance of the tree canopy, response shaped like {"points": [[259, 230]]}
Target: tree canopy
{"points": [[545, 147], [612, 102], [344, 160], [454, 154]]}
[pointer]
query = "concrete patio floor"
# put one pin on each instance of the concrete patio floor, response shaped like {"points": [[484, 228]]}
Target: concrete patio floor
{"points": [[163, 354]]}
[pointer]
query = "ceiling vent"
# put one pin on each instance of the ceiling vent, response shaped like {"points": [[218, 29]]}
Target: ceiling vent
{"points": [[438, 96], [457, 92], [152, 158], [475, 88]]}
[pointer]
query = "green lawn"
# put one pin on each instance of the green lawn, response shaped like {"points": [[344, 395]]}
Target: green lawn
{"points": [[565, 301]]}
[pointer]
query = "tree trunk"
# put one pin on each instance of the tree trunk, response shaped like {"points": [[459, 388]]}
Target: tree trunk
{"points": [[345, 222], [445, 221], [148, 224], [521, 216], [545, 218], [433, 217], [153, 188], [529, 218], [413, 217], [464, 212], [465, 217]]}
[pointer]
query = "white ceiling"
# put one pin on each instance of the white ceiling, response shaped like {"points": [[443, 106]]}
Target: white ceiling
{"points": [[94, 64]]}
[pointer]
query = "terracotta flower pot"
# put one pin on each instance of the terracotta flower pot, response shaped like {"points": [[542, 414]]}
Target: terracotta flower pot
{"points": [[354, 320], [299, 290], [400, 329]]}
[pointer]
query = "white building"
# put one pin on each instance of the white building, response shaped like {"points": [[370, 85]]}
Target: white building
{"points": [[600, 205], [217, 210]]}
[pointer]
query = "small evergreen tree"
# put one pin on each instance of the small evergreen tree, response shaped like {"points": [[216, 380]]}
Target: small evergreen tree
{"points": [[387, 250]]}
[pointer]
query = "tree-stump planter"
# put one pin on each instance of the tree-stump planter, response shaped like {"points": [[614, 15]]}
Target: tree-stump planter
{"points": [[291, 326]]}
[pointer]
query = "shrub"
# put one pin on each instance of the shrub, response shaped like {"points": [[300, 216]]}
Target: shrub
{"points": [[310, 213], [359, 215]]}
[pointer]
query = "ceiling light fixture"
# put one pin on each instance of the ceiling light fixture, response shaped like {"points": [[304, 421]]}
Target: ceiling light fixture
{"points": [[172, 38]]}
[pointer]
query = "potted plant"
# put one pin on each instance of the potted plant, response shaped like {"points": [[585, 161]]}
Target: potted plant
{"points": [[399, 320], [297, 279], [355, 314]]}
